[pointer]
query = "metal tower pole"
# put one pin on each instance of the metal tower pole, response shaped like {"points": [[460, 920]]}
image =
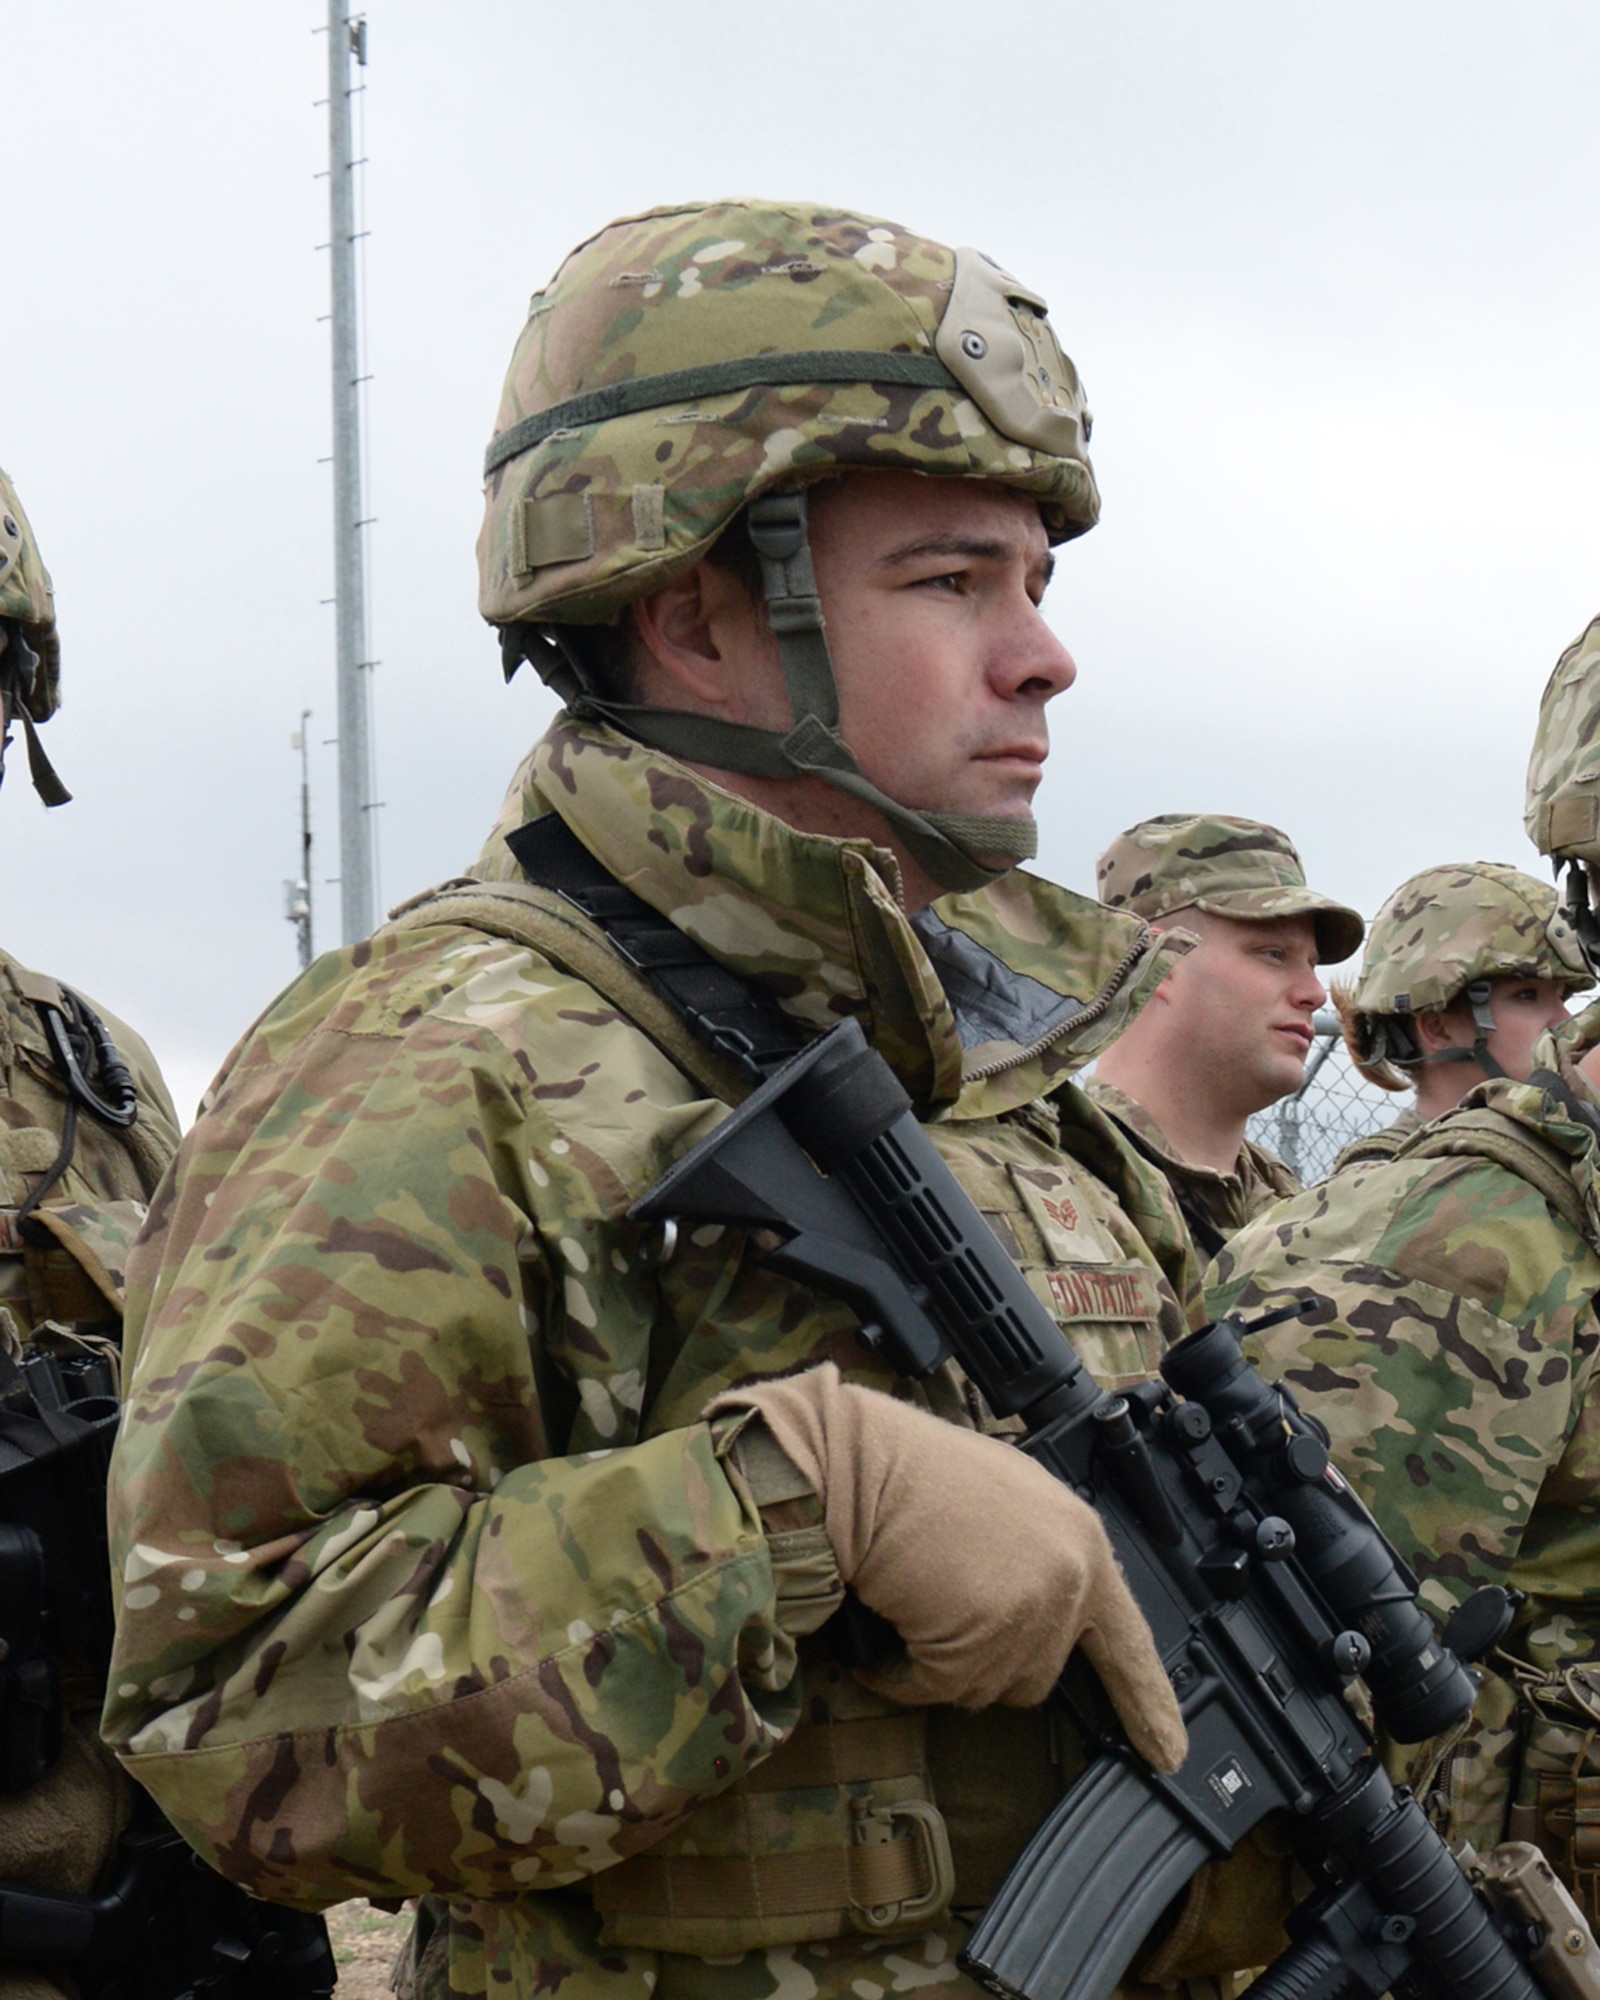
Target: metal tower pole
{"points": [[357, 871]]}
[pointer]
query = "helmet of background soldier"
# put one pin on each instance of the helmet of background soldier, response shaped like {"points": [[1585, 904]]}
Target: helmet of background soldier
{"points": [[30, 652], [692, 367], [1239, 868], [1446, 933], [1562, 812]]}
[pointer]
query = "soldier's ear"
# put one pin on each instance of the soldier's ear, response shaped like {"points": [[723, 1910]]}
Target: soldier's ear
{"points": [[1437, 1030], [698, 637]]}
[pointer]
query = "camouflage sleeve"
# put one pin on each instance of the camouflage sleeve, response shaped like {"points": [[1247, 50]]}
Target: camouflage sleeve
{"points": [[406, 1603], [1450, 1349]]}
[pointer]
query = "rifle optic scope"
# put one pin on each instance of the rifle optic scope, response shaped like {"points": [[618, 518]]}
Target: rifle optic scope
{"points": [[1418, 1685]]}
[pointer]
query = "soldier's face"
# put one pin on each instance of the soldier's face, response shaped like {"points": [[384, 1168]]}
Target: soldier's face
{"points": [[1241, 1005], [1523, 1009], [931, 593], [931, 589]]}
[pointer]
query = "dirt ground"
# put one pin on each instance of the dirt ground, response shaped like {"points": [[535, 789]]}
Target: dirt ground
{"points": [[364, 1942]]}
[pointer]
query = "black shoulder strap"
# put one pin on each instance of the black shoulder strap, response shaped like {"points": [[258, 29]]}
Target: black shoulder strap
{"points": [[721, 1010]]}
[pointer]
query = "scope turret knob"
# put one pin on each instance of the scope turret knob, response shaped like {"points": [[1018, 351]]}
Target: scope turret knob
{"points": [[1192, 1423], [1349, 1653], [1274, 1539], [1305, 1459]]}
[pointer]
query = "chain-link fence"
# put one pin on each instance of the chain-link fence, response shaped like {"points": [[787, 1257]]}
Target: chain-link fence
{"points": [[1332, 1107]]}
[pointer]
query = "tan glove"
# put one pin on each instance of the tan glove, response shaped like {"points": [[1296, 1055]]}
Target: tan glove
{"points": [[990, 1570]]}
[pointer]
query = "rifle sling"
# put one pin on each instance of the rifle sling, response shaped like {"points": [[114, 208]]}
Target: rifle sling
{"points": [[718, 1028]]}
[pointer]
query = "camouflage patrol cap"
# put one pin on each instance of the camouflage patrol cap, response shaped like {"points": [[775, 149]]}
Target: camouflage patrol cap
{"points": [[1437, 935], [683, 362], [1562, 813], [1237, 868], [30, 651]]}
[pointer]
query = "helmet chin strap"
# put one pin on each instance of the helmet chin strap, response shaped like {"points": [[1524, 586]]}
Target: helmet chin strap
{"points": [[19, 664], [949, 847], [1478, 995], [1580, 913]]}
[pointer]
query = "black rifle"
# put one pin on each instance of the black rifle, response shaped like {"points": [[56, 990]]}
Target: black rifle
{"points": [[160, 1924], [1267, 1584], [164, 1926]]}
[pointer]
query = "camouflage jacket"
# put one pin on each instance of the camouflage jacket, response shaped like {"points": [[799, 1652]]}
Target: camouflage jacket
{"points": [[1452, 1354], [430, 1578], [1215, 1204], [94, 1211]]}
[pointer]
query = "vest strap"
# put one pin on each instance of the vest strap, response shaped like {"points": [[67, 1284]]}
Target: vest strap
{"points": [[1489, 1135], [538, 920], [794, 1884], [844, 1753]]}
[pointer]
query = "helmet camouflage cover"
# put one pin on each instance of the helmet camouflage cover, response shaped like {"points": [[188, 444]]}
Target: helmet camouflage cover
{"points": [[690, 364], [1440, 933], [683, 362], [30, 658], [1562, 814]]}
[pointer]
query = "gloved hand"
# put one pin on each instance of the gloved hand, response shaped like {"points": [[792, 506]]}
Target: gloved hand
{"points": [[991, 1571]]}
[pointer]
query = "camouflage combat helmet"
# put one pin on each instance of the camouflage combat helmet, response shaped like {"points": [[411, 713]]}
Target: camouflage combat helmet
{"points": [[692, 364], [1562, 813], [1238, 868], [1445, 933], [30, 653]]}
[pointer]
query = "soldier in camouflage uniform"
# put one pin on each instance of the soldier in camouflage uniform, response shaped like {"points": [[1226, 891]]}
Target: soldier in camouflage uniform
{"points": [[435, 1577], [1452, 1339], [73, 1193], [1465, 968], [1228, 1032]]}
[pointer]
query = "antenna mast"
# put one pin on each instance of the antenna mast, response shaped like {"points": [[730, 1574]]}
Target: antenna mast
{"points": [[347, 39]]}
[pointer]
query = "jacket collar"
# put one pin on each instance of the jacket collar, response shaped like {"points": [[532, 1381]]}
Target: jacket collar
{"points": [[1131, 1114], [980, 1004]]}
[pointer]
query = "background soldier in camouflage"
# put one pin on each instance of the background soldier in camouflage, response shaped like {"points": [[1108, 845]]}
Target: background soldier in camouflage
{"points": [[73, 1191], [1451, 1343], [1465, 968], [1229, 1030], [435, 1578]]}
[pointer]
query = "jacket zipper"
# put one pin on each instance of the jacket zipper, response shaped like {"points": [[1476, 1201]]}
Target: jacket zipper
{"points": [[1096, 1007]]}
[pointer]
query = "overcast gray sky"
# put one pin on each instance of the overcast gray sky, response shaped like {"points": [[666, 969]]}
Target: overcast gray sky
{"points": [[1329, 274]]}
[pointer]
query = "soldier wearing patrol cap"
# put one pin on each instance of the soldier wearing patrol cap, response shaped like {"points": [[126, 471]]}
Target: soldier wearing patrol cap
{"points": [[1228, 1031], [472, 1545], [1452, 1339], [86, 1128], [1465, 968]]}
